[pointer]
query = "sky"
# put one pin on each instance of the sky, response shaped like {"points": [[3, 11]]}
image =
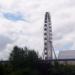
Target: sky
{"points": [[22, 21]]}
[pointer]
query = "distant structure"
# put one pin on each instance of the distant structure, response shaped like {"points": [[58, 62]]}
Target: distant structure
{"points": [[66, 54], [48, 48], [64, 57], [67, 57]]}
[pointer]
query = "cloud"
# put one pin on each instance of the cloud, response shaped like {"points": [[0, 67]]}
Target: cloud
{"points": [[4, 41]]}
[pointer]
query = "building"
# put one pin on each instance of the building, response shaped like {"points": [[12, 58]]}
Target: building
{"points": [[67, 57]]}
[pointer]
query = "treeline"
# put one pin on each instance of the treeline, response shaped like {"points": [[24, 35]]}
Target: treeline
{"points": [[23, 61]]}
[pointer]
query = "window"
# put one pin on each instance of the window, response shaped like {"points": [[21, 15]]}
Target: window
{"points": [[45, 21], [45, 25], [49, 26], [45, 48], [46, 53], [45, 29], [45, 33], [45, 43], [45, 38], [50, 33], [50, 30]]}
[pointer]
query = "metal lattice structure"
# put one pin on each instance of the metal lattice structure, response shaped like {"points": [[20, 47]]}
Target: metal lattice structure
{"points": [[48, 48]]}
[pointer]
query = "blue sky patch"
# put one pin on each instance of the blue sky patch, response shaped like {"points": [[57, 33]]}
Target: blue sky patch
{"points": [[68, 45], [13, 16]]}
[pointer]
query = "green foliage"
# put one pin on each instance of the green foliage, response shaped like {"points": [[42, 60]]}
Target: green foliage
{"points": [[23, 61], [1, 69], [20, 58], [26, 71], [17, 57]]}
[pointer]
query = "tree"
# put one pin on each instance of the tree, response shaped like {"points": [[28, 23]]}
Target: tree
{"points": [[17, 57], [1, 69], [21, 58]]}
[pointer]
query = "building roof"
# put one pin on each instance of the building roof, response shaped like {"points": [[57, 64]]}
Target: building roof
{"points": [[67, 54]]}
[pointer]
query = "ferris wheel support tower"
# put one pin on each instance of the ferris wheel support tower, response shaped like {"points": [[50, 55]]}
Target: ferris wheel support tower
{"points": [[48, 47]]}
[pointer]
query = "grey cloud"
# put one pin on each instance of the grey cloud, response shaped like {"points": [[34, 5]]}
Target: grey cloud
{"points": [[4, 40], [64, 30]]}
